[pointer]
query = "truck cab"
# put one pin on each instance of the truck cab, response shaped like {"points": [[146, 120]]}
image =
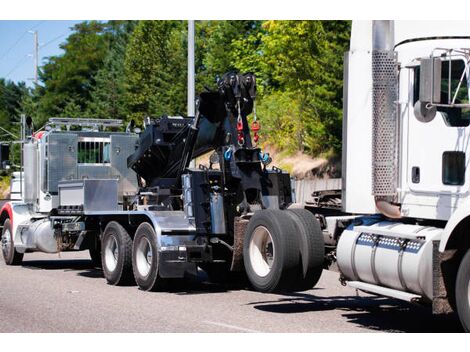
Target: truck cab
{"points": [[405, 156]]}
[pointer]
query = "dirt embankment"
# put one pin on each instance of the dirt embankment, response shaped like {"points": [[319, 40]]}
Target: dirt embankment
{"points": [[4, 187], [299, 165]]}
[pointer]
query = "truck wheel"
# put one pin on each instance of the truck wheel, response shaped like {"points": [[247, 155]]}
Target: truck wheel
{"points": [[271, 251], [312, 249], [462, 292], [145, 259], [116, 254], [10, 255]]}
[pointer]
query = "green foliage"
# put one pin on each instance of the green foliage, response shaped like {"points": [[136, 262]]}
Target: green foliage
{"points": [[68, 78], [302, 60], [11, 95], [155, 68], [108, 95], [280, 120], [133, 69]]}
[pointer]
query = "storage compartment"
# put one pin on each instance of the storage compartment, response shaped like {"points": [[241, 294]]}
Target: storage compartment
{"points": [[85, 196]]}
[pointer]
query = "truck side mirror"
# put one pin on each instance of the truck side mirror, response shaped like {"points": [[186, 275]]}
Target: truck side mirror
{"points": [[429, 89], [430, 80]]}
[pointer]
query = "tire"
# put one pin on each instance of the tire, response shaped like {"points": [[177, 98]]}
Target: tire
{"points": [[462, 292], [145, 259], [95, 255], [10, 255], [312, 249], [271, 251], [116, 254]]}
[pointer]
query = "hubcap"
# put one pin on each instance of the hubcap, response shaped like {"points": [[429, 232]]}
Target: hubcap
{"points": [[111, 253], [144, 256], [6, 243], [262, 251]]}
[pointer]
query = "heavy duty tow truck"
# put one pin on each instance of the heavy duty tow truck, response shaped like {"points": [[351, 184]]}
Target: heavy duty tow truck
{"points": [[398, 228], [145, 215]]}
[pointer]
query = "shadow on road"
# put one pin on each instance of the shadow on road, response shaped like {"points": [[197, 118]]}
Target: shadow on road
{"points": [[189, 286], [371, 312], [84, 267]]}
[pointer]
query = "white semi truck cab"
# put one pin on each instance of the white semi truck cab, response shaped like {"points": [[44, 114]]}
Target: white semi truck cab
{"points": [[406, 150]]}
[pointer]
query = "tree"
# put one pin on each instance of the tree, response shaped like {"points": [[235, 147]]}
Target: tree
{"points": [[11, 95], [71, 75], [219, 55], [155, 69], [302, 60], [108, 95]]}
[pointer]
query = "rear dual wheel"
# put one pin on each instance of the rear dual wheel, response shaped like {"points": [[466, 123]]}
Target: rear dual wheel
{"points": [[116, 254], [283, 250], [145, 259], [126, 261], [312, 249]]}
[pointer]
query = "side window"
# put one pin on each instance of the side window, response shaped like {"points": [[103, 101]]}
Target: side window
{"points": [[453, 117], [453, 168], [93, 152]]}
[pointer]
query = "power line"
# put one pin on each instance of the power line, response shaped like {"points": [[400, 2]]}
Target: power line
{"points": [[19, 39], [53, 40], [16, 66]]}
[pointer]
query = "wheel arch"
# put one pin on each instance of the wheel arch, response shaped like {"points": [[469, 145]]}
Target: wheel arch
{"points": [[131, 221], [6, 213], [456, 234]]}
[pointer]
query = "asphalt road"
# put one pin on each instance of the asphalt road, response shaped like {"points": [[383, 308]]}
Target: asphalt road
{"points": [[51, 294]]}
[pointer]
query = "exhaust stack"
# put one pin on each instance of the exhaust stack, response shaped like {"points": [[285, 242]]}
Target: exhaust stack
{"points": [[385, 125]]}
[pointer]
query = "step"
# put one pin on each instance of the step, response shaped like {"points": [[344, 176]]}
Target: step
{"points": [[385, 291]]}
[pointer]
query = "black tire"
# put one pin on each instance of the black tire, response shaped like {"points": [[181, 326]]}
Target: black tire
{"points": [[145, 266], [116, 254], [284, 264], [95, 255], [10, 255], [312, 249], [462, 292]]}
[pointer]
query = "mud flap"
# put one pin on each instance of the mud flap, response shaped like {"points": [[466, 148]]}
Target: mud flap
{"points": [[240, 225], [440, 300]]}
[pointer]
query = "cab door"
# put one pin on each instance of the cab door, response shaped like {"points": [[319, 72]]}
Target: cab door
{"points": [[438, 151]]}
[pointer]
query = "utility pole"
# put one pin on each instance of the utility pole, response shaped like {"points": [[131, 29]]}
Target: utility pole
{"points": [[191, 78], [191, 70], [36, 56]]}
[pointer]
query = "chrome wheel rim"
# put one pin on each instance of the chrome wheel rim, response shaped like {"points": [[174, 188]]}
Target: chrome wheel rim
{"points": [[468, 293], [144, 257], [262, 251], [6, 242], [111, 253]]}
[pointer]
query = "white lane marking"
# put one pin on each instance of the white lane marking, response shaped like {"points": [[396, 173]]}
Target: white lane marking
{"points": [[230, 326]]}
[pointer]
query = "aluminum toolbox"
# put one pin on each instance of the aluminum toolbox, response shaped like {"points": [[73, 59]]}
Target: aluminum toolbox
{"points": [[88, 195]]}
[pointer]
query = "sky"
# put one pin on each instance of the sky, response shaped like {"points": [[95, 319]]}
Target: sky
{"points": [[17, 46]]}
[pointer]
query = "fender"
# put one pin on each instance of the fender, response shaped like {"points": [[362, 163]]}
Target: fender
{"points": [[162, 223], [462, 212], [7, 208], [18, 212]]}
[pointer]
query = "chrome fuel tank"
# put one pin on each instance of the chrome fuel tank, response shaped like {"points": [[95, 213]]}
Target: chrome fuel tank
{"points": [[389, 254]]}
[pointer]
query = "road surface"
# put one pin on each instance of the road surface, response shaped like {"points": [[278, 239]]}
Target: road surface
{"points": [[51, 294]]}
